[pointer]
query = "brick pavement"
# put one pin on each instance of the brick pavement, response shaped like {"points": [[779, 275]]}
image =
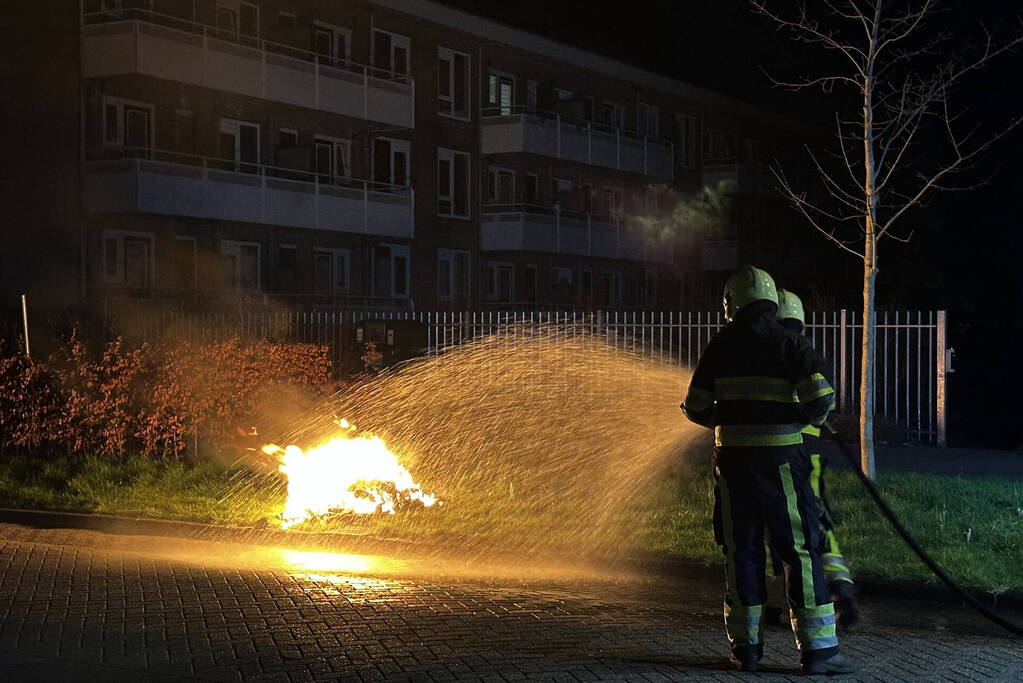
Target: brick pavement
{"points": [[87, 606]]}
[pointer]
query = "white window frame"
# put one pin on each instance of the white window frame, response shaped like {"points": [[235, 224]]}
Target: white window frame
{"points": [[396, 145], [334, 58], [345, 145], [445, 154], [492, 281], [644, 112], [397, 40], [289, 131], [400, 251], [619, 113], [237, 124], [235, 6], [616, 209], [561, 94], [233, 248], [120, 273], [447, 54], [449, 256], [339, 285], [120, 103], [560, 186], [494, 174], [494, 77]]}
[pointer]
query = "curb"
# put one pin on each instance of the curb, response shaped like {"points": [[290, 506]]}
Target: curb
{"points": [[651, 565]]}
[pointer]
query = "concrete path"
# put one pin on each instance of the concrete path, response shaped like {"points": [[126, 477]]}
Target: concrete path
{"points": [[81, 605]]}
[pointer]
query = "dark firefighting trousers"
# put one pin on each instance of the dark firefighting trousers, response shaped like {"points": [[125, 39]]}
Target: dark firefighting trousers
{"points": [[768, 488], [836, 569]]}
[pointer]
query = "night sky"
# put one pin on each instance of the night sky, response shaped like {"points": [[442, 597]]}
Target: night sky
{"points": [[966, 247]]}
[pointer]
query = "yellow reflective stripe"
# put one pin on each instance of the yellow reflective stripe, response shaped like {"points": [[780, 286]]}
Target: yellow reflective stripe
{"points": [[753, 389], [813, 387], [698, 399], [757, 435], [810, 430]]}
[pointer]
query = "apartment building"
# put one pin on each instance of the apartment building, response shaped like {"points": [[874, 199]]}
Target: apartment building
{"points": [[385, 154]]}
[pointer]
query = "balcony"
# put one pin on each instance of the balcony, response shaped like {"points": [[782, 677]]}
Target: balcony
{"points": [[518, 129], [155, 181], [174, 49], [733, 176], [527, 227]]}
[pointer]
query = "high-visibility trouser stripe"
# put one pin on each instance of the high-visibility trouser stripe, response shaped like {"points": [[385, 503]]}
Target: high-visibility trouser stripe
{"points": [[815, 473], [698, 399], [737, 629], [742, 623], [798, 538], [815, 627], [758, 435], [754, 389], [813, 387]]}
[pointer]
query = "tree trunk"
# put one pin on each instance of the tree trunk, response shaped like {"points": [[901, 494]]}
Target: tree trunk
{"points": [[867, 359]]}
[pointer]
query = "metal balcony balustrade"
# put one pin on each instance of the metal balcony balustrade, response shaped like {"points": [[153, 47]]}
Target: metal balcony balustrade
{"points": [[528, 129], [174, 183], [164, 46], [549, 229]]}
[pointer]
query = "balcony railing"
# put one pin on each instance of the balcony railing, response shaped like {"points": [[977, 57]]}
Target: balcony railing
{"points": [[166, 182], [531, 227], [164, 46], [527, 129]]}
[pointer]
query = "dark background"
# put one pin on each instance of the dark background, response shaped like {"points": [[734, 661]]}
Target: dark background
{"points": [[966, 245]]}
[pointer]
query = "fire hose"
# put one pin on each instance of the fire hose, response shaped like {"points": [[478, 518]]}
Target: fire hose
{"points": [[936, 568]]}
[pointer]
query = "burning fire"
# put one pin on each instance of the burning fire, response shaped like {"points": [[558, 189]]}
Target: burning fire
{"points": [[351, 473]]}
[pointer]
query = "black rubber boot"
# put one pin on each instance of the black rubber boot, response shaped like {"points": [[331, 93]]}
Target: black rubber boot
{"points": [[847, 612], [775, 616], [835, 664], [747, 657]]}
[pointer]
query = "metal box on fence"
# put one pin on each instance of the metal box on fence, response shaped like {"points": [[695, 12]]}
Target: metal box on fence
{"points": [[393, 340]]}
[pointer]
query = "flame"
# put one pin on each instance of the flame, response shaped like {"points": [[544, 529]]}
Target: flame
{"points": [[355, 474]]}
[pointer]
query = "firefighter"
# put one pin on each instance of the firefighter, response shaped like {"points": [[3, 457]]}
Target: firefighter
{"points": [[756, 386], [836, 569]]}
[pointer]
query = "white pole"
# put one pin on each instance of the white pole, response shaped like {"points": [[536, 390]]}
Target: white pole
{"points": [[24, 322]]}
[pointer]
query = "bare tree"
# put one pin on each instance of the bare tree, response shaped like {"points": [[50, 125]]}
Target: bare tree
{"points": [[899, 138]]}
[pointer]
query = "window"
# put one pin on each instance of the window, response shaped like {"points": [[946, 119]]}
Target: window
{"points": [[647, 119], [560, 186], [184, 131], [562, 94], [238, 18], [586, 284], [239, 144], [390, 163], [242, 264], [453, 277], [501, 93], [128, 258], [687, 139], [391, 270], [500, 185], [183, 263], [532, 187], [390, 55], [287, 138], [500, 281], [127, 124], [611, 202], [531, 284], [531, 87], [611, 288], [287, 268], [452, 183], [614, 113], [718, 145], [333, 44], [453, 84], [287, 19], [561, 276], [330, 270], [331, 158]]}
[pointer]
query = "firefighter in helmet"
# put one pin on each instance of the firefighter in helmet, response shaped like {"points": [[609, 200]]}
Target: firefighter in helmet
{"points": [[757, 386], [836, 569]]}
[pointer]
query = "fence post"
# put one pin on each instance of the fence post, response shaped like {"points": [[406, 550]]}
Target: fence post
{"points": [[941, 344], [842, 359]]}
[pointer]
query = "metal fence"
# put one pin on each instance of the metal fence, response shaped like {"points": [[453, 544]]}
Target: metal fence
{"points": [[909, 373]]}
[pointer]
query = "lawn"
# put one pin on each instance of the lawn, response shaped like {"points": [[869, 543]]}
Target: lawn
{"points": [[972, 525]]}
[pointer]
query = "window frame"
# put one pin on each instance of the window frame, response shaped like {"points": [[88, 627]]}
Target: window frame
{"points": [[226, 247], [449, 256], [493, 178], [688, 149], [494, 77], [119, 103], [339, 256], [334, 59], [335, 143], [643, 113], [449, 155], [119, 277], [492, 281], [446, 54], [403, 41]]}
